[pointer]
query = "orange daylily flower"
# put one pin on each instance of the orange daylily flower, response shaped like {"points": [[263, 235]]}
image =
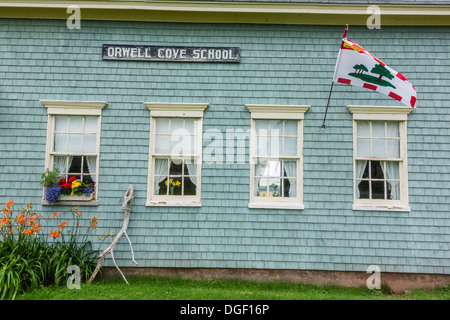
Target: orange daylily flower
{"points": [[55, 234], [28, 232], [10, 203], [62, 225], [21, 218]]}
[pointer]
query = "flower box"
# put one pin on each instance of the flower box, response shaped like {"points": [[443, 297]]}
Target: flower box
{"points": [[59, 189], [75, 197]]}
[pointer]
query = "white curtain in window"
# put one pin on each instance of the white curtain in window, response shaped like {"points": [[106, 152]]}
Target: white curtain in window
{"points": [[161, 168], [260, 167], [360, 167], [192, 168], [291, 171], [60, 164], [393, 172], [92, 164]]}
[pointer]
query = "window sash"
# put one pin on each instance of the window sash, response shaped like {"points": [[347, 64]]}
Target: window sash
{"points": [[262, 128], [53, 130], [388, 183], [193, 132]]}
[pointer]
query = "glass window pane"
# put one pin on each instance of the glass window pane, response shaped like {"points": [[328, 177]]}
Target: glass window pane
{"points": [[74, 144], [363, 188], [379, 148], [393, 148], [175, 185], [262, 144], [378, 129], [260, 187], [392, 170], [160, 187], [363, 129], [191, 126], [75, 165], [176, 125], [290, 128], [190, 145], [273, 169], [290, 147], [276, 128], [393, 129], [275, 188], [162, 125], [90, 125], [290, 168], [176, 145], [161, 144], [90, 143], [363, 148], [377, 172], [377, 189], [61, 123], [365, 174], [59, 162], [60, 143], [176, 167], [276, 146], [189, 187], [76, 124], [90, 162], [262, 127], [290, 190]]}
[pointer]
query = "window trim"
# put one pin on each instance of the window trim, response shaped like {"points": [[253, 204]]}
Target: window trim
{"points": [[383, 113], [277, 112], [174, 110], [80, 108]]}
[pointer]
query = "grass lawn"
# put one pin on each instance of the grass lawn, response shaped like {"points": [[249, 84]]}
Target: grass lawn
{"points": [[159, 288]]}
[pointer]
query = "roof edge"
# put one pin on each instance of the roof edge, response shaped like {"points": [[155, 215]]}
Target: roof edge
{"points": [[229, 12]]}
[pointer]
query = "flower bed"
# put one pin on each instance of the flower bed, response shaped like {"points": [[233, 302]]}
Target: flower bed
{"points": [[34, 253]]}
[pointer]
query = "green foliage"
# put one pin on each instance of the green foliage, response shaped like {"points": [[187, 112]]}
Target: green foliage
{"points": [[50, 178], [162, 288], [29, 260]]}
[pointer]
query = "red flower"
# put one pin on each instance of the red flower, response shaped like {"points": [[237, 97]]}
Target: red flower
{"points": [[66, 186], [62, 181], [72, 179]]}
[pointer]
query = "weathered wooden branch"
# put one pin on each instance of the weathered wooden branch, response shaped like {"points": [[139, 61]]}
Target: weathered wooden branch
{"points": [[128, 198]]}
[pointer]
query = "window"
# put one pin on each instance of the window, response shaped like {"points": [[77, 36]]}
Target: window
{"points": [[73, 142], [276, 168], [380, 158], [175, 154]]}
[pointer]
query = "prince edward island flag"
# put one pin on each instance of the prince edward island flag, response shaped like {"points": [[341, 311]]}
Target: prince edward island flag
{"points": [[358, 67]]}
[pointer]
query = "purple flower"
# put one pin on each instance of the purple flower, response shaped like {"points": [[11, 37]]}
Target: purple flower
{"points": [[52, 194], [87, 192]]}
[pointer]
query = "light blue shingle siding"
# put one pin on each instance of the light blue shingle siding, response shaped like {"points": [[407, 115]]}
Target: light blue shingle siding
{"points": [[41, 59]]}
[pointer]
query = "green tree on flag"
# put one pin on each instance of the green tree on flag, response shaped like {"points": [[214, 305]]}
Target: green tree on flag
{"points": [[382, 71]]}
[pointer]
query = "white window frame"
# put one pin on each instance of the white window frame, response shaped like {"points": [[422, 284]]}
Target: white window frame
{"points": [[72, 108], [174, 110], [383, 113], [277, 112]]}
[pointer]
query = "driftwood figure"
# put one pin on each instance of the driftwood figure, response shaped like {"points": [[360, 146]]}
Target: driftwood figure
{"points": [[128, 198]]}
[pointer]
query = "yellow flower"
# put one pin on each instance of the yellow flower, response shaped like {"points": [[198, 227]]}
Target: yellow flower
{"points": [[75, 184]]}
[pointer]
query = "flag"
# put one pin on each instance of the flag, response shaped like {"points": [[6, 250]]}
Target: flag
{"points": [[358, 67]]}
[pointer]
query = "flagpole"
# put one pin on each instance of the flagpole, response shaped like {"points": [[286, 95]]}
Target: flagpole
{"points": [[328, 104], [332, 83]]}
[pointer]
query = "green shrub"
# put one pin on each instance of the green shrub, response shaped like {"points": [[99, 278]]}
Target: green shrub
{"points": [[29, 259]]}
